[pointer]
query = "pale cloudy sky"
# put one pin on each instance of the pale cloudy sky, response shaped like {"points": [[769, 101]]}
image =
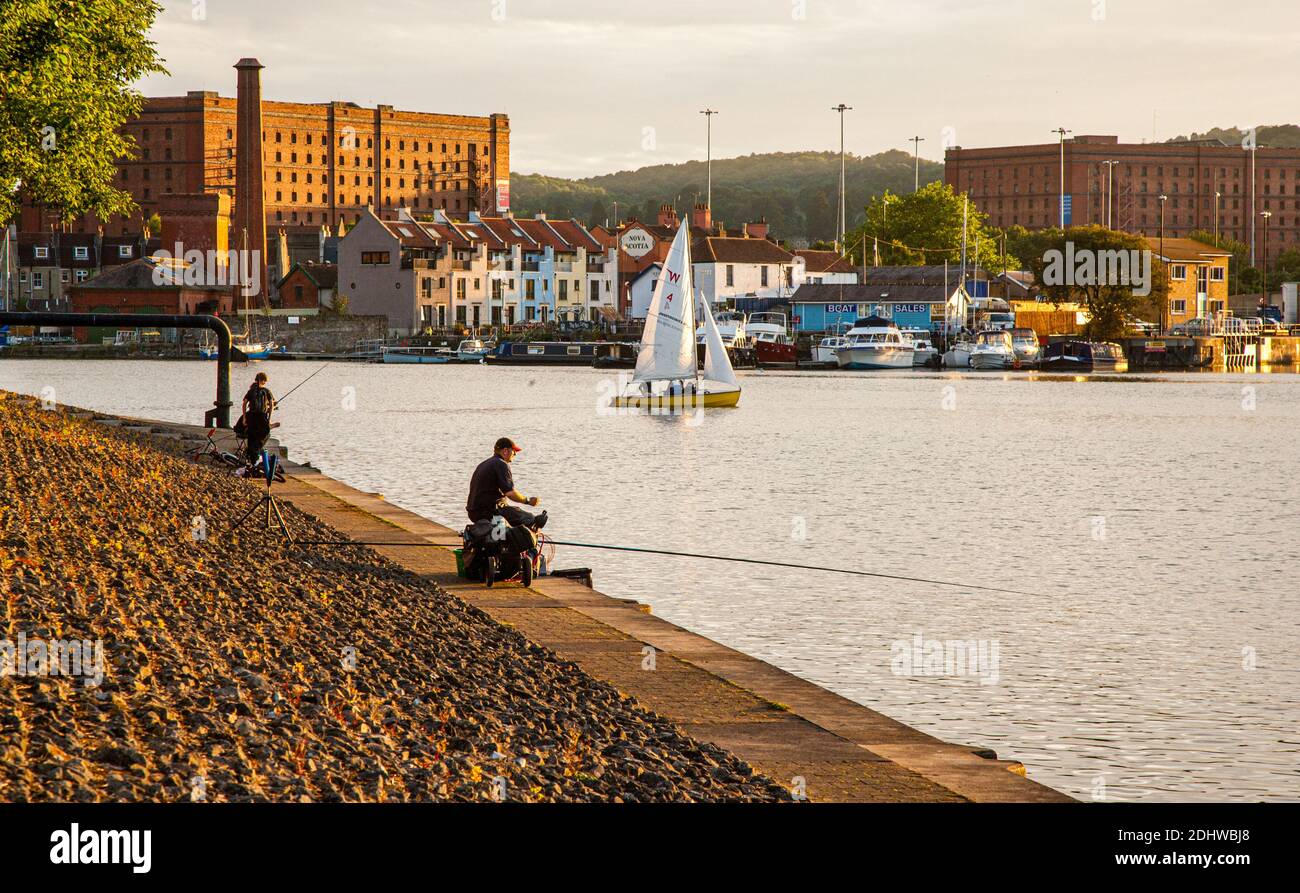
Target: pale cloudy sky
{"points": [[594, 86]]}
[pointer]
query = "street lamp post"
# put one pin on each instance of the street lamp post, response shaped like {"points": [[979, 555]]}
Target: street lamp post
{"points": [[916, 162], [840, 229], [1217, 196], [1263, 288], [708, 137], [1062, 132], [1164, 303]]}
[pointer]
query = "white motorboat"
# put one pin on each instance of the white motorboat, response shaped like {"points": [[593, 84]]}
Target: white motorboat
{"points": [[875, 343], [992, 350], [1025, 343], [824, 350], [957, 356], [471, 350], [924, 351], [731, 328]]}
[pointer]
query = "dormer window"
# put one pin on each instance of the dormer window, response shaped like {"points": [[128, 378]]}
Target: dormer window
{"points": [[40, 251], [123, 250], [81, 252]]}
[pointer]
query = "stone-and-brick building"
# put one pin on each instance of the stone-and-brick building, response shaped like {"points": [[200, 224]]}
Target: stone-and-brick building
{"points": [[322, 163]]}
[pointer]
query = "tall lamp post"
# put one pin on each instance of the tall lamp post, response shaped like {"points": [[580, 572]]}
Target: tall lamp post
{"points": [[1263, 288], [916, 162], [1164, 303], [839, 229], [1062, 132], [1217, 196], [708, 137]]}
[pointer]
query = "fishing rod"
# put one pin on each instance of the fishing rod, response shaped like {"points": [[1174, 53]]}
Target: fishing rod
{"points": [[731, 558], [304, 381]]}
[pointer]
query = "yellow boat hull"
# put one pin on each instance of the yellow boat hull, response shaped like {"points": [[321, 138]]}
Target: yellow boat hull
{"points": [[679, 401]]}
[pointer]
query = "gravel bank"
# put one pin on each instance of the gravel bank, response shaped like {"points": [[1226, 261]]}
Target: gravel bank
{"points": [[236, 668]]}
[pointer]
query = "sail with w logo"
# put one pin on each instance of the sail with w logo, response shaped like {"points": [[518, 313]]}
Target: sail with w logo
{"points": [[668, 342]]}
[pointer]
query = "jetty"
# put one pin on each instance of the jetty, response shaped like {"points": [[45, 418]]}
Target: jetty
{"points": [[555, 692]]}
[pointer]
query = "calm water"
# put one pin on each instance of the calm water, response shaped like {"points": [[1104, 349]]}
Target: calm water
{"points": [[1156, 517]]}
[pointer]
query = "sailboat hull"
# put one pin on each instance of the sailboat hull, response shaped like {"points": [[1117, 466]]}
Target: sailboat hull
{"points": [[668, 402]]}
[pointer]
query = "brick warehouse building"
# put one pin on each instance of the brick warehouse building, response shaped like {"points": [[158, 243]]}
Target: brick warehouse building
{"points": [[322, 162], [1021, 185]]}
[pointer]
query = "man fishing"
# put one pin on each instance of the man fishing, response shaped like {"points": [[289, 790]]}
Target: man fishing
{"points": [[258, 405], [492, 488]]}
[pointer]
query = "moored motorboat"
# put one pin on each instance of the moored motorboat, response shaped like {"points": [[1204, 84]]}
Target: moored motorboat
{"points": [[957, 356], [1084, 356], [415, 355], [770, 336], [1025, 344], [875, 343], [471, 350], [992, 350], [924, 353]]}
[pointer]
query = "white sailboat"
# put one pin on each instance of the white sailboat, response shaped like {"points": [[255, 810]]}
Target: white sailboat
{"points": [[666, 375]]}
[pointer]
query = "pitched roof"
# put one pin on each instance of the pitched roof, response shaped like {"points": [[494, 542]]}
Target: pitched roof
{"points": [[824, 261], [323, 275], [410, 233], [138, 275], [927, 274], [728, 250], [1186, 250]]}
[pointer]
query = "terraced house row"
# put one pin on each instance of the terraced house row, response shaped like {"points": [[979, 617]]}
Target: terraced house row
{"points": [[439, 272]]}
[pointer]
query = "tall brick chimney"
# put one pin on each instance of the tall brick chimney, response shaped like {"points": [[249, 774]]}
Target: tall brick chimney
{"points": [[667, 217], [250, 198], [757, 230], [702, 217]]}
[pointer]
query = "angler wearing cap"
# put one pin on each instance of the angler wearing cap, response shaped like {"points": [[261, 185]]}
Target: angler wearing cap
{"points": [[492, 489]]}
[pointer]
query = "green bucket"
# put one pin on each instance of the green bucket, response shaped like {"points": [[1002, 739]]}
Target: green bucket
{"points": [[460, 562]]}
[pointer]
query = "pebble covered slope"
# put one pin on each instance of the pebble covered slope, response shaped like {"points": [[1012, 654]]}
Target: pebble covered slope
{"points": [[237, 668]]}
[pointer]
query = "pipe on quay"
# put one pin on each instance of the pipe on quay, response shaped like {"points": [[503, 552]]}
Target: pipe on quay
{"points": [[219, 415]]}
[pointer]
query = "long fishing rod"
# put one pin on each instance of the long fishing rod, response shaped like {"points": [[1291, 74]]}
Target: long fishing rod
{"points": [[732, 558], [304, 381]]}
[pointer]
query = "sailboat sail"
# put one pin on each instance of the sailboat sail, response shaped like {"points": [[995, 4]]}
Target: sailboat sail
{"points": [[717, 365], [668, 341]]}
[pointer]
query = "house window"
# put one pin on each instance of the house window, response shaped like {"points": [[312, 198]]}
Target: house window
{"points": [[123, 250], [1216, 274], [564, 289], [1178, 307], [762, 275], [374, 257], [81, 252], [83, 275], [64, 277], [41, 251], [38, 279], [1178, 271], [297, 292], [731, 274]]}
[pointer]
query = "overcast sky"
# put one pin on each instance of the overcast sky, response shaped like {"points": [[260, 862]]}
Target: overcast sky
{"points": [[594, 86]]}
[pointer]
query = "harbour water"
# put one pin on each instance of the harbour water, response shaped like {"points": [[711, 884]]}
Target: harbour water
{"points": [[1154, 519]]}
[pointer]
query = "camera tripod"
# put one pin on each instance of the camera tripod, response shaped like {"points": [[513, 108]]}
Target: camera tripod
{"points": [[271, 517]]}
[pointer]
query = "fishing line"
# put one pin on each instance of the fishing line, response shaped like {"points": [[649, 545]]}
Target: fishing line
{"points": [[732, 558], [304, 381]]}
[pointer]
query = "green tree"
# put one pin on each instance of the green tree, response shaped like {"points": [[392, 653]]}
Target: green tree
{"points": [[1111, 303], [154, 224], [925, 227], [66, 74]]}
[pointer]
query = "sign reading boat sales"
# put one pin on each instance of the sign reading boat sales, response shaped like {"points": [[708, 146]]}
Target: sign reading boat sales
{"points": [[636, 243], [842, 308]]}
